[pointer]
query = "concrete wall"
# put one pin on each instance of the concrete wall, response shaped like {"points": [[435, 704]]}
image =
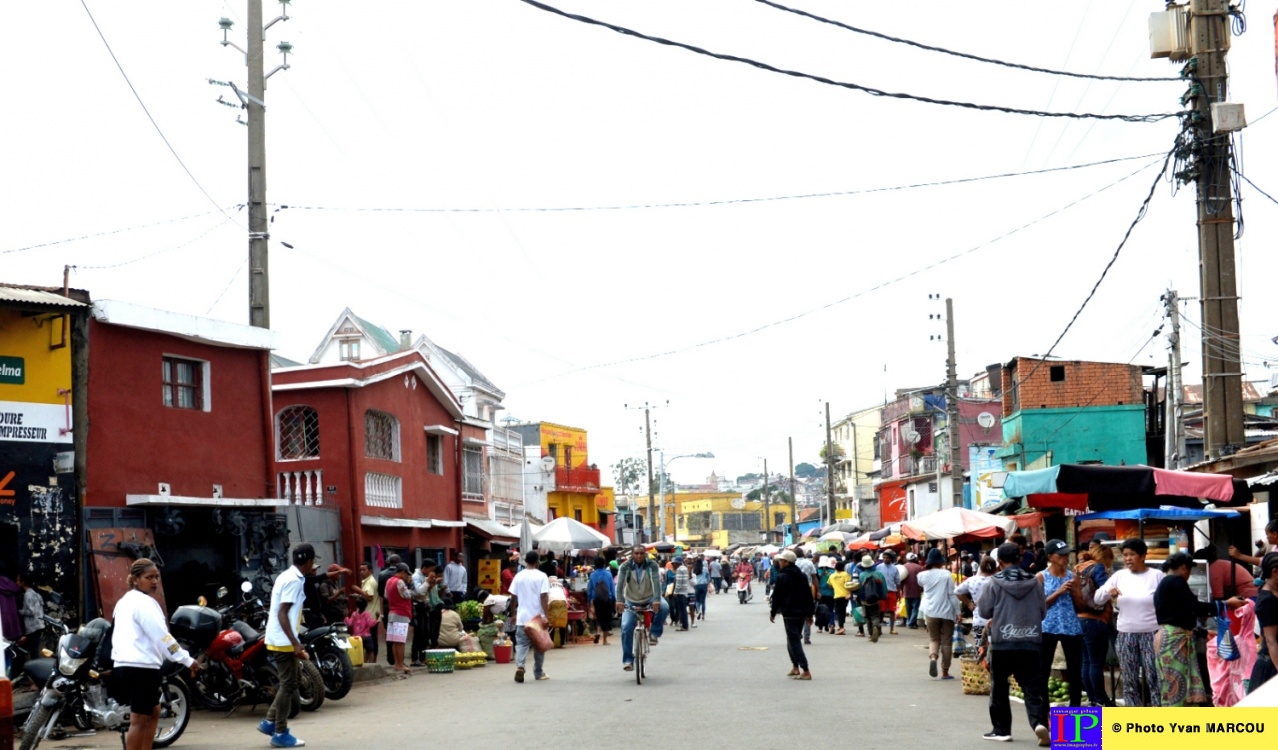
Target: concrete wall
{"points": [[1110, 434]]}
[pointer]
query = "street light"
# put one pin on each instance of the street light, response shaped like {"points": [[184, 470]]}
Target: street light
{"points": [[661, 506]]}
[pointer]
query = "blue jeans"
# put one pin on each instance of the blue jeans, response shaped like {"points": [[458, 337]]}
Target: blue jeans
{"points": [[702, 590], [629, 618], [522, 647], [1095, 649], [681, 610], [912, 612]]}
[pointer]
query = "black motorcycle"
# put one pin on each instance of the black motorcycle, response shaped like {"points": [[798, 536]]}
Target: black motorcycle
{"points": [[76, 688], [327, 646]]}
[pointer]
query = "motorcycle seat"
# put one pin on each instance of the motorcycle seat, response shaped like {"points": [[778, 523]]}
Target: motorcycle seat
{"points": [[39, 670], [239, 648]]}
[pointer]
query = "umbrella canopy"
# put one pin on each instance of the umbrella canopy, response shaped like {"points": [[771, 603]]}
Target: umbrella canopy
{"points": [[769, 549], [564, 534], [892, 540], [894, 528], [846, 527], [525, 536], [808, 548], [828, 545], [863, 542], [841, 537], [712, 553], [664, 548], [955, 522], [812, 532]]}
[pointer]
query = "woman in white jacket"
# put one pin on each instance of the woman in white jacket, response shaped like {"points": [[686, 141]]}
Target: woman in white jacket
{"points": [[140, 642]]}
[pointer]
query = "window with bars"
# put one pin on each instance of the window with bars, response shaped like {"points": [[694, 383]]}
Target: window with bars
{"points": [[183, 383], [473, 466], [383, 491], [297, 433], [381, 435], [435, 454]]}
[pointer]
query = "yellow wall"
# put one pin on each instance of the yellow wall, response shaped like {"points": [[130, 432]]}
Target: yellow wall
{"points": [[46, 370], [568, 503], [713, 502], [562, 436], [606, 500]]}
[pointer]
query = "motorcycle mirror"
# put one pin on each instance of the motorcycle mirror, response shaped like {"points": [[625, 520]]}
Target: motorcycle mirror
{"points": [[246, 587], [202, 601], [221, 592]]}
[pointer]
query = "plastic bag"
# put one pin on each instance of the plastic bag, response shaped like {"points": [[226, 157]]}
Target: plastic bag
{"points": [[858, 615], [538, 637], [1226, 647], [469, 644], [902, 611]]}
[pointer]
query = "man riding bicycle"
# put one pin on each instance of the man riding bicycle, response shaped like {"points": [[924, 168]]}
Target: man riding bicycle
{"points": [[639, 587]]}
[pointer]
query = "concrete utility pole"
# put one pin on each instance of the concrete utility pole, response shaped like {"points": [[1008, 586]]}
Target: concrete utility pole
{"points": [[1222, 366], [794, 515], [1175, 443], [829, 468], [647, 429], [952, 411], [767, 504]]}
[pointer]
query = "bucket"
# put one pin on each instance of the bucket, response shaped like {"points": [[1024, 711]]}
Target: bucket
{"points": [[503, 653]]}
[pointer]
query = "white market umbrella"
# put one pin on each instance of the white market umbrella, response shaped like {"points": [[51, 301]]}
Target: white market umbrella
{"points": [[525, 537], [712, 553], [769, 549], [842, 537], [565, 534]]}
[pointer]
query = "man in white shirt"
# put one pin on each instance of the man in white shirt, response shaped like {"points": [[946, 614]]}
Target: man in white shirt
{"points": [[530, 599], [1132, 591], [284, 618], [455, 578]]}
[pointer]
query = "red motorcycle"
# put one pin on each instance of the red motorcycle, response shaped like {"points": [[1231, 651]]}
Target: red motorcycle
{"points": [[234, 666]]}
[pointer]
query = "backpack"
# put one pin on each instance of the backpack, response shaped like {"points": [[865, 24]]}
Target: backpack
{"points": [[872, 589], [1087, 589], [601, 590], [822, 617]]}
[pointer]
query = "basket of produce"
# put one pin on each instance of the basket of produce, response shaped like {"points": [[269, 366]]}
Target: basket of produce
{"points": [[440, 660], [976, 681], [1057, 692]]}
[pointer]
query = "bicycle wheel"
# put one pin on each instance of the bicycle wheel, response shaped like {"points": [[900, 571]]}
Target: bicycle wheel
{"points": [[641, 639]]}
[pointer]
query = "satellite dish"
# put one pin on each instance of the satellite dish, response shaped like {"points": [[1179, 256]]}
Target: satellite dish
{"points": [[547, 463], [912, 437], [738, 503], [985, 419]]}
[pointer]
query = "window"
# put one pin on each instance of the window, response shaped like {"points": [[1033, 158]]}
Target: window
{"points": [[297, 433], [183, 383], [577, 515], [473, 466], [435, 454], [349, 350], [1058, 373], [383, 491], [381, 435]]}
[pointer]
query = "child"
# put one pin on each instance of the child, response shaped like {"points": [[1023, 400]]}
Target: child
{"points": [[361, 624]]}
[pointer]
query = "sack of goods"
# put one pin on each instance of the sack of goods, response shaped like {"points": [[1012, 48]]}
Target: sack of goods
{"points": [[558, 614]]}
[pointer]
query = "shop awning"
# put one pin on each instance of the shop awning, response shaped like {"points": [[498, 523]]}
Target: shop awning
{"points": [[204, 502], [956, 522], [1124, 487], [1160, 514], [409, 523], [486, 529]]}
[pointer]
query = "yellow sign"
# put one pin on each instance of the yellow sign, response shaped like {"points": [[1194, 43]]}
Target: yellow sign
{"points": [[696, 506], [490, 575], [843, 514], [36, 342]]}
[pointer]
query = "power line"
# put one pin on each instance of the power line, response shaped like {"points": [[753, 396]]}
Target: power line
{"points": [[112, 231], [843, 84], [724, 201], [154, 124], [140, 258], [945, 51], [863, 292]]}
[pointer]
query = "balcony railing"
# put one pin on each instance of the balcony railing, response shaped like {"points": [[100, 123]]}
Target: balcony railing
{"points": [[508, 441], [305, 487], [576, 480]]}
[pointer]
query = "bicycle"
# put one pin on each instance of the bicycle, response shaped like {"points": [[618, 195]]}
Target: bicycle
{"points": [[639, 642]]}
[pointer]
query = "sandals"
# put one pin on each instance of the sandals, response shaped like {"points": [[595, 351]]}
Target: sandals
{"points": [[793, 673], [802, 677]]}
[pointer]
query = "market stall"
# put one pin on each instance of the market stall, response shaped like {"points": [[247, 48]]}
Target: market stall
{"points": [[1159, 528], [953, 523], [1100, 488]]}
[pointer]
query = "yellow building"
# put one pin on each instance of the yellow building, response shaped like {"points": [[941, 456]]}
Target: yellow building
{"points": [[577, 492], [718, 519]]}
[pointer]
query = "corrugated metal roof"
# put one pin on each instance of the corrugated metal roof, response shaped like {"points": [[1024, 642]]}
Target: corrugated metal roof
{"points": [[32, 296]]}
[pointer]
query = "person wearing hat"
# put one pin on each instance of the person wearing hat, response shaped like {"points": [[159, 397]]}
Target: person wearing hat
{"points": [[283, 621], [1061, 624], [940, 608], [333, 594], [872, 593], [792, 599], [1014, 602], [911, 590]]}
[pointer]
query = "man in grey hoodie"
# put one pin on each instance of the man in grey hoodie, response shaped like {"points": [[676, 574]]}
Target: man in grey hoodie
{"points": [[1014, 604]]}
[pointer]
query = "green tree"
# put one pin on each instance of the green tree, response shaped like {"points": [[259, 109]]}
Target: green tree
{"points": [[630, 475], [748, 478], [805, 471]]}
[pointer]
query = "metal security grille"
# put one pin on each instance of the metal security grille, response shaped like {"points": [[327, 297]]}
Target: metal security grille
{"points": [[381, 435], [297, 433]]}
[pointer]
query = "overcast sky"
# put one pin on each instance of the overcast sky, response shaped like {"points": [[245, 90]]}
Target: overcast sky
{"points": [[745, 316]]}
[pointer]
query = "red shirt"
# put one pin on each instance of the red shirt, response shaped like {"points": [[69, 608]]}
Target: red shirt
{"points": [[395, 603], [1223, 580], [507, 576]]}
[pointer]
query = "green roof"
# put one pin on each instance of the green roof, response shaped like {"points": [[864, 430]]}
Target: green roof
{"points": [[379, 335]]}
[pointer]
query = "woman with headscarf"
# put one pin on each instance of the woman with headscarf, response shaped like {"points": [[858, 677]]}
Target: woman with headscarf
{"points": [[940, 609], [1178, 609]]}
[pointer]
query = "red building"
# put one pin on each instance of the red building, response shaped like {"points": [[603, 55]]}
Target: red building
{"points": [[180, 451], [381, 442]]}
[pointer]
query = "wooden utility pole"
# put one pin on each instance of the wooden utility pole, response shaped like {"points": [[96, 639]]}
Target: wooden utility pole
{"points": [[1222, 367], [767, 503], [647, 430], [829, 468], [952, 412], [794, 515]]}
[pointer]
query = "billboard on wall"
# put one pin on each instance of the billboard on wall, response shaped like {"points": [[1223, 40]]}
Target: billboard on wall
{"points": [[983, 465]]}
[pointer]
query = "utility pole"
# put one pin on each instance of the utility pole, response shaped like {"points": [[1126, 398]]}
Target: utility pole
{"points": [[829, 468], [767, 504], [1175, 443], [794, 515], [1222, 369], [647, 429], [952, 412]]}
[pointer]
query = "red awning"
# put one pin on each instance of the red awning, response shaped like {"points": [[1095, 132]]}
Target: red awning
{"points": [[1049, 500]]}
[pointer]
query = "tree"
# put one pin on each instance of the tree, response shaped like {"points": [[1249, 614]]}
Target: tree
{"points": [[838, 451], [630, 475], [805, 471], [749, 478]]}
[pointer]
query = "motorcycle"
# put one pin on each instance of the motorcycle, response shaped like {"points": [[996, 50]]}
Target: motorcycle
{"points": [[234, 666], [744, 593], [327, 646], [76, 686]]}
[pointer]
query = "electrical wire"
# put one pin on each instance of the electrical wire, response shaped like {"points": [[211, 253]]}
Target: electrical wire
{"points": [[140, 258], [1254, 186], [1140, 214], [944, 51], [154, 124], [844, 84], [109, 232], [863, 292], [726, 201]]}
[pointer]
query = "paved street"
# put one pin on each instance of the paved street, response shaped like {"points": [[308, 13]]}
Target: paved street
{"points": [[703, 689]]}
